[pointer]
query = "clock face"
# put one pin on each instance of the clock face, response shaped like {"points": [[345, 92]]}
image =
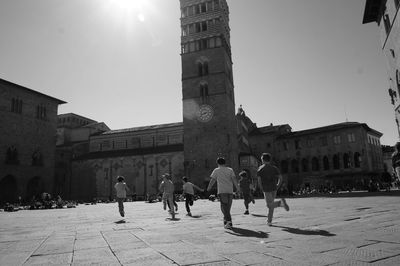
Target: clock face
{"points": [[205, 113]]}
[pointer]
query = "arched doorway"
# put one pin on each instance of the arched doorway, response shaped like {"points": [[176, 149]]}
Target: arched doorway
{"points": [[33, 187], [8, 189]]}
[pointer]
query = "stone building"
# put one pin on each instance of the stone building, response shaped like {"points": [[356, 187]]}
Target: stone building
{"points": [[28, 122], [345, 154], [385, 14], [140, 154], [73, 133]]}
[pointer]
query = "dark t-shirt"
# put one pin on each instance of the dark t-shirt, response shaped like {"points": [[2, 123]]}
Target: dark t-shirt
{"points": [[244, 184], [269, 175]]}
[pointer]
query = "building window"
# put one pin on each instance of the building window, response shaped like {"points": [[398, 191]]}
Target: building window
{"points": [[304, 165], [203, 7], [326, 163], [324, 141], [336, 164], [315, 164], [12, 155], [16, 106], [297, 144], [357, 160], [351, 137], [337, 140], [41, 112], [204, 91]]}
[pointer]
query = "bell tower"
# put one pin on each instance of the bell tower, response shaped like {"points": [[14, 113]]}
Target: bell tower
{"points": [[209, 123]]}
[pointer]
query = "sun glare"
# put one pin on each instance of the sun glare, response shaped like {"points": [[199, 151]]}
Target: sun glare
{"points": [[128, 10]]}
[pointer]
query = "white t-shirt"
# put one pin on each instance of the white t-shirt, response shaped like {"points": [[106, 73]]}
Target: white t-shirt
{"points": [[224, 176], [121, 188]]}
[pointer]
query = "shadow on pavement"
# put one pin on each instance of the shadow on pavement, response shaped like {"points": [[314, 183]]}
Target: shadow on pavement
{"points": [[195, 216], [247, 233], [258, 215], [304, 231], [120, 222], [173, 219]]}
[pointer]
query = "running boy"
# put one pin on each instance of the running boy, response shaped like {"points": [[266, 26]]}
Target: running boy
{"points": [[226, 179], [167, 188], [245, 186], [188, 190], [121, 189], [270, 179]]}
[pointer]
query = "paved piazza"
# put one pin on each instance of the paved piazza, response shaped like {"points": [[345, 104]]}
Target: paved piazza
{"points": [[316, 231]]}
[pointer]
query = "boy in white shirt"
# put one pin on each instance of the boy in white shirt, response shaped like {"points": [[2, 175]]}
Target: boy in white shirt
{"points": [[226, 179], [121, 189]]}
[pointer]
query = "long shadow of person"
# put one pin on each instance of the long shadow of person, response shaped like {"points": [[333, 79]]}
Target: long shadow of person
{"points": [[247, 233], [305, 231], [120, 222]]}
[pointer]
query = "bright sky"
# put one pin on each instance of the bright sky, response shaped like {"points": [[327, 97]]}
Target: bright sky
{"points": [[307, 63]]}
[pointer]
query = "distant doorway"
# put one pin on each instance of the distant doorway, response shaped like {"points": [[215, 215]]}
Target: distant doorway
{"points": [[8, 189], [33, 188]]}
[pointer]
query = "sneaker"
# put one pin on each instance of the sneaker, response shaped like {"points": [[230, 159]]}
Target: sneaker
{"points": [[253, 201], [122, 214], [246, 212], [228, 225], [269, 223], [285, 205], [189, 214]]}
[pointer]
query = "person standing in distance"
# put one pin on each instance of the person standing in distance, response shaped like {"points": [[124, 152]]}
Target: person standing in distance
{"points": [[226, 179], [269, 180], [121, 189]]}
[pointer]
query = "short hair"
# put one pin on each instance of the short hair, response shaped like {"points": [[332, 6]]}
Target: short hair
{"points": [[185, 178], [266, 157], [120, 178], [221, 160]]}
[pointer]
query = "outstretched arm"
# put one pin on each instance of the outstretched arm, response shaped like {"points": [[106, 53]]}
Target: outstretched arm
{"points": [[199, 189], [211, 184]]}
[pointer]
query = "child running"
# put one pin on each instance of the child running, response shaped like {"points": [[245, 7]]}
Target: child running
{"points": [[188, 190], [245, 187], [167, 188], [121, 189]]}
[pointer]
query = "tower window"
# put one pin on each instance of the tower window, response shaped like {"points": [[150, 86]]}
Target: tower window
{"points": [[203, 7], [204, 91]]}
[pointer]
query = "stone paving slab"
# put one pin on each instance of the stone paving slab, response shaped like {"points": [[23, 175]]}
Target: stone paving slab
{"points": [[316, 231]]}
